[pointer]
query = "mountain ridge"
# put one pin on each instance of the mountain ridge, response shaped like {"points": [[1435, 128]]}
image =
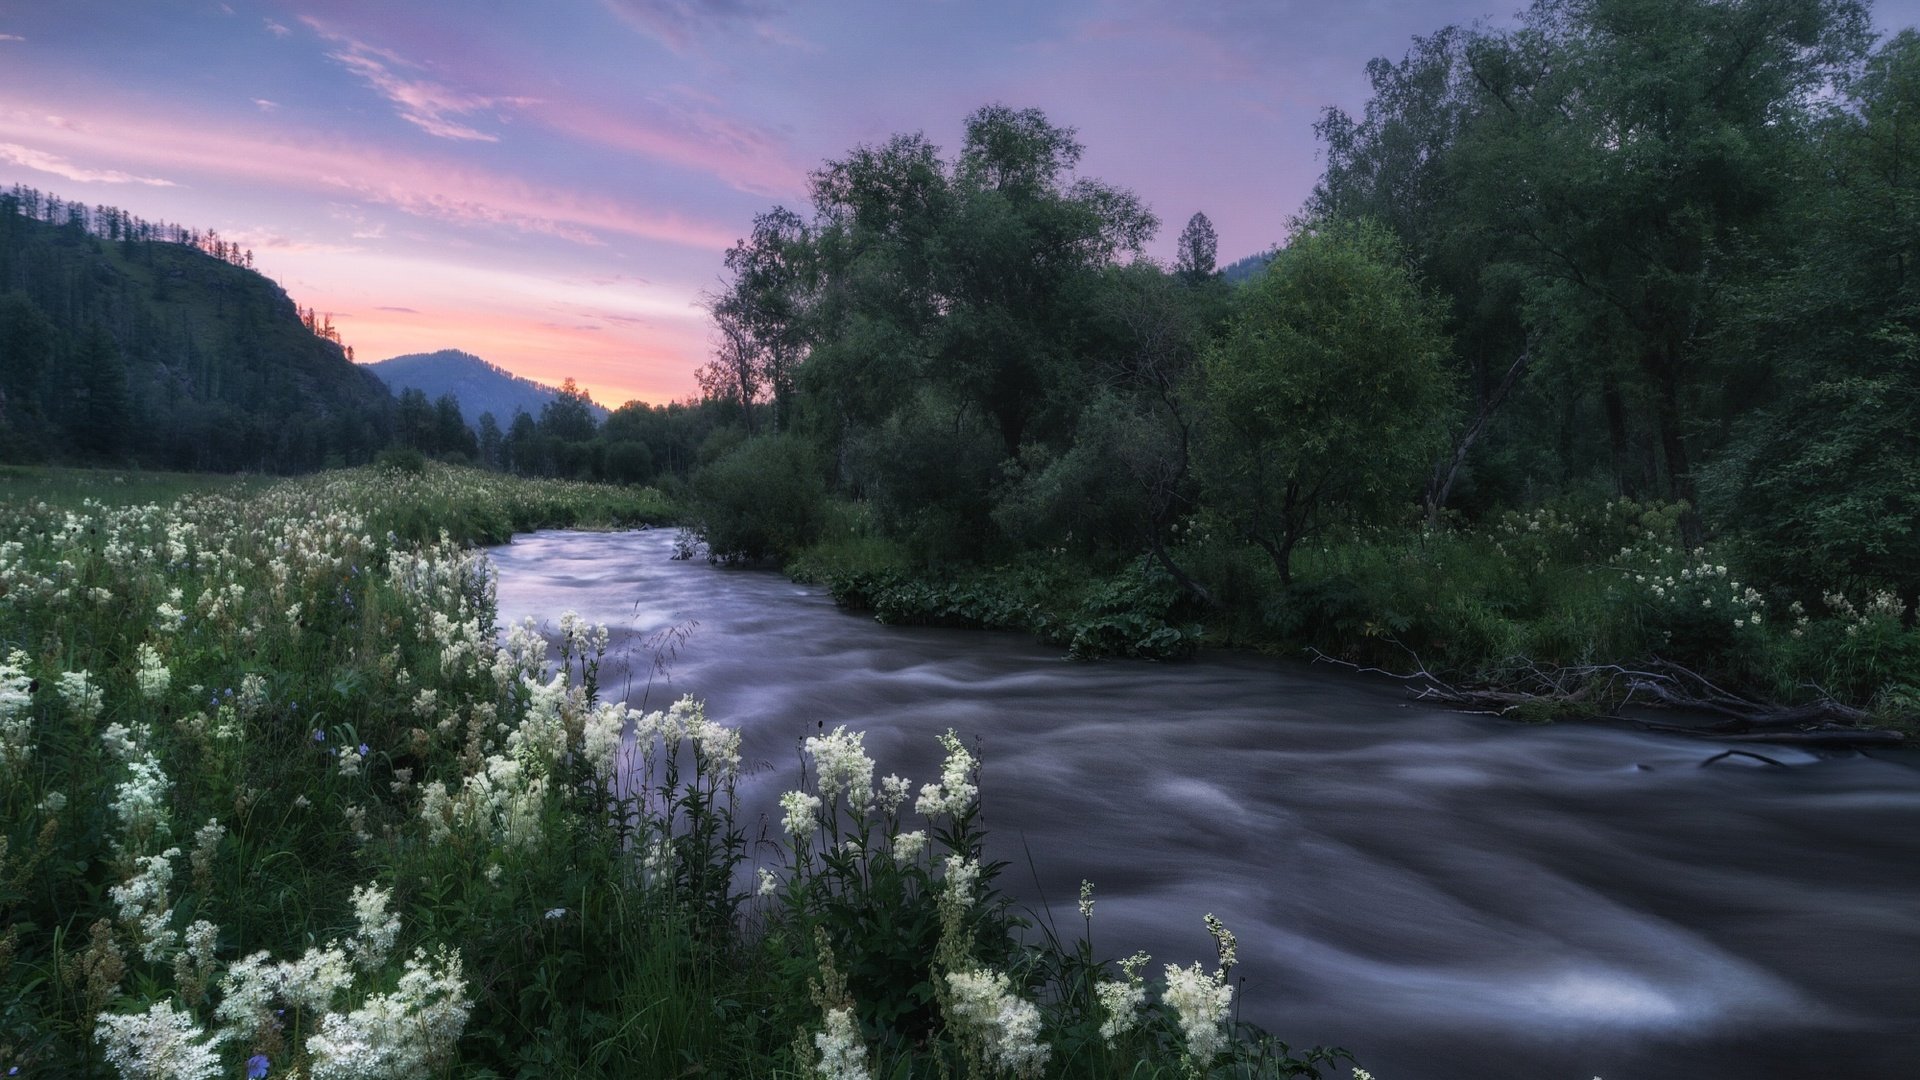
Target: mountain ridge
{"points": [[478, 384]]}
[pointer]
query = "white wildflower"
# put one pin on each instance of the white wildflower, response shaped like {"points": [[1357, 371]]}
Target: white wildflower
{"points": [[842, 1055], [159, 1044], [800, 808], [1007, 1026], [1200, 1000], [81, 694], [907, 846], [767, 882], [407, 1033], [153, 677], [955, 792], [379, 927], [841, 764]]}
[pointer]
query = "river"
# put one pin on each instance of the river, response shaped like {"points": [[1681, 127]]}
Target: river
{"points": [[1445, 895]]}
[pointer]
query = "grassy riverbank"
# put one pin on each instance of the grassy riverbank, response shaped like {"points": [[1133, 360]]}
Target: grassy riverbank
{"points": [[280, 800], [1568, 587]]}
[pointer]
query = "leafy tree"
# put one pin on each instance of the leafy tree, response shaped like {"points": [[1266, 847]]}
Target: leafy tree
{"points": [[1626, 159], [761, 499], [1822, 484], [1198, 246], [1329, 394], [569, 416]]}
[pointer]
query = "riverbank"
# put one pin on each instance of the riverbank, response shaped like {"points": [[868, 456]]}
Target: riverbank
{"points": [[1540, 615]]}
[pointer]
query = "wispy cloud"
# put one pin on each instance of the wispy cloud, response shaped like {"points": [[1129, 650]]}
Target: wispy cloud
{"points": [[422, 187], [432, 107], [743, 155], [41, 161], [264, 105], [277, 29], [11, 37], [678, 24], [398, 310]]}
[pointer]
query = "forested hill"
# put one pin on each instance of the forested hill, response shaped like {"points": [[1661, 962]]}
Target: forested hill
{"points": [[480, 387], [123, 343]]}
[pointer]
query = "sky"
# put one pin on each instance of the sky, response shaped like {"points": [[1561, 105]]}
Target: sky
{"points": [[551, 186]]}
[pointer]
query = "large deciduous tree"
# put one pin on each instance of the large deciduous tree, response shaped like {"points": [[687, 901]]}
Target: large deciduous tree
{"points": [[1329, 395]]}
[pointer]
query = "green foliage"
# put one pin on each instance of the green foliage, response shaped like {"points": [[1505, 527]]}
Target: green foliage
{"points": [[1327, 398], [761, 499]]}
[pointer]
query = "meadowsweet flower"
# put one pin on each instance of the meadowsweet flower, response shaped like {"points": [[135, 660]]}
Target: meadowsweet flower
{"points": [[893, 791], [16, 722], [312, 981], [159, 1044], [800, 808], [907, 846], [767, 882], [153, 678], [600, 737], [1086, 899], [1200, 1000], [1121, 1002], [842, 1055], [406, 1033], [955, 792], [143, 904], [81, 694], [378, 927], [962, 874], [1007, 1026], [841, 765], [140, 801]]}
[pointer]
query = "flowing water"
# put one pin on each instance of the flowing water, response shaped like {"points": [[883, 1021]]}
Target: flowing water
{"points": [[1445, 895]]}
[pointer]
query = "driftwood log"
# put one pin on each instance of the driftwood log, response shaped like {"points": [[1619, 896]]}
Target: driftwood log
{"points": [[1604, 689]]}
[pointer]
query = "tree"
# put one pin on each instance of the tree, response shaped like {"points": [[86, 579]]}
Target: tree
{"points": [[450, 432], [1198, 244], [415, 422], [569, 416], [1629, 159], [104, 412], [1821, 485], [1329, 394], [491, 443]]}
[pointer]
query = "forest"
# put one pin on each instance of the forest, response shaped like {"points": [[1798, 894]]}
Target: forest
{"points": [[1582, 316]]}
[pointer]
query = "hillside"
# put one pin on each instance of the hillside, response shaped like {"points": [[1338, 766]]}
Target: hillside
{"points": [[152, 352], [479, 386]]}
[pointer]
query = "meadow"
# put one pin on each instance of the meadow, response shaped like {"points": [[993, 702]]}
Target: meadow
{"points": [[279, 798]]}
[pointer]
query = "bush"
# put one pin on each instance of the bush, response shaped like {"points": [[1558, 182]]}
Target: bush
{"points": [[762, 499]]}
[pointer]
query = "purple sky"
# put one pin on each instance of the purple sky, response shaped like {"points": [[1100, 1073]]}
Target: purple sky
{"points": [[551, 186]]}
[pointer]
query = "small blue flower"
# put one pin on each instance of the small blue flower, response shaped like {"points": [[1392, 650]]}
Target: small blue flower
{"points": [[319, 736], [257, 1066], [363, 750]]}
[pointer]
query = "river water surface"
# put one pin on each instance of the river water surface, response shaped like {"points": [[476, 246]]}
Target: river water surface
{"points": [[1445, 895]]}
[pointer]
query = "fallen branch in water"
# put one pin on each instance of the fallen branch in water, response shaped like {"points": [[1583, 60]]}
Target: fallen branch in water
{"points": [[1725, 754], [1604, 689]]}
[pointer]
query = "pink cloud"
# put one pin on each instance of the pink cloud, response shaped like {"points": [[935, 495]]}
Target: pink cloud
{"points": [[41, 161], [429, 106], [11, 37], [745, 157], [420, 186]]}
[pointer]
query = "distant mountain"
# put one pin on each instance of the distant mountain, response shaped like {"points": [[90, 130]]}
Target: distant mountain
{"points": [[1245, 270], [126, 342], [480, 387]]}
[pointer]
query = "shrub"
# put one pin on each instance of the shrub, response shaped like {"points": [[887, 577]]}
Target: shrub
{"points": [[762, 499]]}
